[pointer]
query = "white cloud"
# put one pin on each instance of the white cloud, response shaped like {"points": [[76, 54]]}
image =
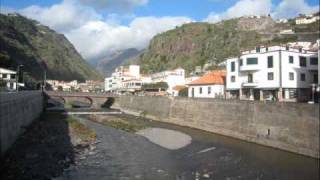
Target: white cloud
{"points": [[95, 36], [285, 9], [98, 38], [292, 8], [242, 8], [62, 17], [115, 5]]}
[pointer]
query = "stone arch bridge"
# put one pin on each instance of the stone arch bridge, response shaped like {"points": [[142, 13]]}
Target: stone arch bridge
{"points": [[95, 100]]}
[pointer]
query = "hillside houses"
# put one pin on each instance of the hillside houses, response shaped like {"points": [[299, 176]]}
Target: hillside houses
{"points": [[307, 19]]}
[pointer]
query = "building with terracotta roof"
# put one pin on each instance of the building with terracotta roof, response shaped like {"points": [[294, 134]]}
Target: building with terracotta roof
{"points": [[211, 85]]}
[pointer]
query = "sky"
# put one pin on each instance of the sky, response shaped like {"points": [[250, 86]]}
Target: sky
{"points": [[98, 28]]}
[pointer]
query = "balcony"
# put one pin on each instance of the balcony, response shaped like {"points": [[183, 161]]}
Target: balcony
{"points": [[250, 83], [249, 68]]}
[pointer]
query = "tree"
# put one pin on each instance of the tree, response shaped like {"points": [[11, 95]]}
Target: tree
{"points": [[183, 92], [158, 85]]}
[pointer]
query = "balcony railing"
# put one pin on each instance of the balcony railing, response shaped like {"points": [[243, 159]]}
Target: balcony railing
{"points": [[250, 83], [249, 67]]}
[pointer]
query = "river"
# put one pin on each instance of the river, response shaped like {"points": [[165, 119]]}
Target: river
{"points": [[201, 155]]}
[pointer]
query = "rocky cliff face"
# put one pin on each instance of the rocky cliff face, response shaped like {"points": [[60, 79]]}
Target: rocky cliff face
{"points": [[195, 44], [27, 42]]}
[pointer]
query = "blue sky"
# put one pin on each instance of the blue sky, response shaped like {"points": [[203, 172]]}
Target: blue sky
{"points": [[111, 25], [196, 9]]}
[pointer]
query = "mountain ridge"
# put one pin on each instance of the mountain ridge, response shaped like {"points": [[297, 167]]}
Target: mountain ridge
{"points": [[198, 43], [27, 42]]}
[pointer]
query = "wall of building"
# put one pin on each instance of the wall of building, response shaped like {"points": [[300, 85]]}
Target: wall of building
{"points": [[216, 91], [17, 111], [289, 126]]}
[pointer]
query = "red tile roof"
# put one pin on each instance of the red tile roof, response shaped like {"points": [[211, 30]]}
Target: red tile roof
{"points": [[213, 77]]}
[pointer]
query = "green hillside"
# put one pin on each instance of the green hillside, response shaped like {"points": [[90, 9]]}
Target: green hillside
{"points": [[198, 43], [27, 42]]}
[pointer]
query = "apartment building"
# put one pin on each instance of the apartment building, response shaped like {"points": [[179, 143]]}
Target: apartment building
{"points": [[273, 73], [120, 75]]}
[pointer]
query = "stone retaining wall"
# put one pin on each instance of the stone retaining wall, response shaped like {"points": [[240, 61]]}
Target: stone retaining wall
{"points": [[292, 127], [17, 111]]}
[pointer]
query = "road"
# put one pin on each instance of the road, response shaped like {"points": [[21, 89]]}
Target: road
{"points": [[122, 155]]}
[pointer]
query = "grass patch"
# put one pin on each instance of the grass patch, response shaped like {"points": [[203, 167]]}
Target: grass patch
{"points": [[83, 132], [118, 123], [124, 125]]}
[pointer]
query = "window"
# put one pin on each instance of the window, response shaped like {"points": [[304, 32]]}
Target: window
{"points": [[290, 59], [303, 61], [257, 49], [291, 76], [233, 66], [240, 62], [302, 77], [209, 90], [13, 76], [315, 78], [287, 48], [270, 61], [200, 90], [251, 61], [300, 49], [267, 49], [4, 76], [270, 75], [233, 79], [314, 61]]}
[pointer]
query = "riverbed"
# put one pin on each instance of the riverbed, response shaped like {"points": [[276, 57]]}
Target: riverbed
{"points": [[152, 154]]}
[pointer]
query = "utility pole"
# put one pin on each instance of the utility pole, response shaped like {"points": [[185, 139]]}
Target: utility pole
{"points": [[44, 79]]}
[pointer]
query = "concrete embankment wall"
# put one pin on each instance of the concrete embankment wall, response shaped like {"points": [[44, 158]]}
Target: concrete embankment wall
{"points": [[288, 126], [17, 111]]}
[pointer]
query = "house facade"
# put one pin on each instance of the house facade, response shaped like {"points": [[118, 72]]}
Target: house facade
{"points": [[172, 78], [115, 83], [211, 85], [276, 73], [9, 77]]}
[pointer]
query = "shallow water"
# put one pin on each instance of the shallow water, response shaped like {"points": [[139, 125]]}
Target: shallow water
{"points": [[166, 138]]}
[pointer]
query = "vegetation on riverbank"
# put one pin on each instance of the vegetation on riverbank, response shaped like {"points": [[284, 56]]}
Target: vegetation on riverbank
{"points": [[118, 123], [80, 130]]}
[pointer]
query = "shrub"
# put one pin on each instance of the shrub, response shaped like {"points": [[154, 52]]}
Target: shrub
{"points": [[183, 92]]}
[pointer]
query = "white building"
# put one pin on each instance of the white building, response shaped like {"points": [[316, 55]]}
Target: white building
{"points": [[307, 19], [9, 77], [211, 85], [276, 72], [126, 79], [172, 78]]}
